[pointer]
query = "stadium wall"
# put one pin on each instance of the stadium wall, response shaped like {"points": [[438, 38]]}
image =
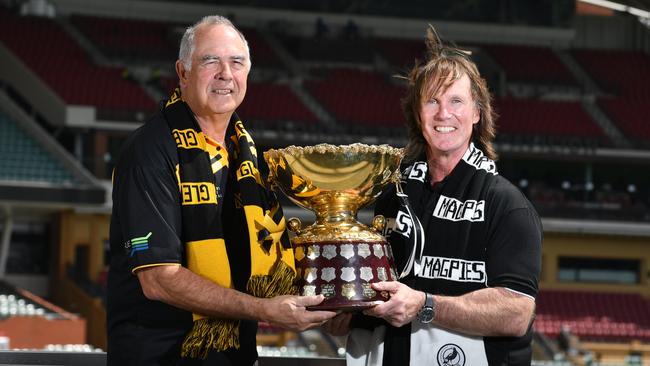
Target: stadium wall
{"points": [[593, 246], [77, 230]]}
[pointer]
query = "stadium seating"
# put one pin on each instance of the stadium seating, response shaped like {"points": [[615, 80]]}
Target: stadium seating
{"points": [[525, 117], [623, 73], [358, 99], [352, 79], [343, 75], [400, 53], [262, 54], [31, 322], [12, 304], [23, 159], [631, 117], [626, 76], [273, 102], [67, 69], [594, 315], [529, 64], [130, 39], [329, 50], [355, 96]]}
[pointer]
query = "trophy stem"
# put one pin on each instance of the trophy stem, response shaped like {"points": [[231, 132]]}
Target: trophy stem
{"points": [[336, 213], [338, 217]]}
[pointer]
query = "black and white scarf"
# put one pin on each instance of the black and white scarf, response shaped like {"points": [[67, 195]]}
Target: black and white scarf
{"points": [[466, 183]]}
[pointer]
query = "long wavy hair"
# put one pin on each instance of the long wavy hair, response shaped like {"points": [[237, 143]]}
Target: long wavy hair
{"points": [[444, 64]]}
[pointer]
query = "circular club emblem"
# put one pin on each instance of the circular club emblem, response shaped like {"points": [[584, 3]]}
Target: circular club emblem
{"points": [[451, 355]]}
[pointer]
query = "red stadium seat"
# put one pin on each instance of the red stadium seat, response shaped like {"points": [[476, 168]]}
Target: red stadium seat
{"points": [[551, 118], [531, 64], [355, 96], [594, 315], [64, 65]]}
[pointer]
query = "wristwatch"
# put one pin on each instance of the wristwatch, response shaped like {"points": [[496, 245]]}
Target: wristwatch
{"points": [[428, 311]]}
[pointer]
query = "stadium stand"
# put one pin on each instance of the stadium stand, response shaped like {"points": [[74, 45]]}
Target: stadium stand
{"points": [[25, 160], [622, 73], [262, 54], [342, 84], [30, 322], [533, 120], [130, 40], [631, 116], [528, 64], [34, 168], [400, 53], [339, 91], [594, 316], [273, 102], [625, 75], [358, 97], [329, 50], [65, 66]]}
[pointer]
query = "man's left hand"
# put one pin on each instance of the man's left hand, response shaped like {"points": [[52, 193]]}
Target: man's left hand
{"points": [[403, 305]]}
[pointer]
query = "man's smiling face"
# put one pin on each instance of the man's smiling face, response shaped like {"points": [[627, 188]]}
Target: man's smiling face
{"points": [[216, 82], [448, 119]]}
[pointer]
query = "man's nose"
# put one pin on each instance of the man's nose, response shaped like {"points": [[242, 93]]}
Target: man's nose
{"points": [[225, 72], [443, 111]]}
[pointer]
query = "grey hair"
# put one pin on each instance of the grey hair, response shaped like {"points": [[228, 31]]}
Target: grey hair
{"points": [[187, 42]]}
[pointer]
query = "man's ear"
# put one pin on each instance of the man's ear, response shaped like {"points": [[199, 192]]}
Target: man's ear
{"points": [[181, 72], [477, 115]]}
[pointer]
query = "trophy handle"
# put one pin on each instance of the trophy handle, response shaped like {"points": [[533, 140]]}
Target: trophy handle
{"points": [[379, 223], [294, 225], [397, 180]]}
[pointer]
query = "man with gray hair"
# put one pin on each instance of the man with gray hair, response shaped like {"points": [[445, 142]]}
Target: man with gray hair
{"points": [[199, 250]]}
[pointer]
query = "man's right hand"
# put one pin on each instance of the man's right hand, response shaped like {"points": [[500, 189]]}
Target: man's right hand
{"points": [[290, 312]]}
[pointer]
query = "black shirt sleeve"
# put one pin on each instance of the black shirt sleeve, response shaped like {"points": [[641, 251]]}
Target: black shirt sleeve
{"points": [[147, 200], [514, 249]]}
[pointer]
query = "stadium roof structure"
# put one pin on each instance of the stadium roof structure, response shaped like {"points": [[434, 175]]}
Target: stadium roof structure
{"points": [[639, 8], [641, 4]]}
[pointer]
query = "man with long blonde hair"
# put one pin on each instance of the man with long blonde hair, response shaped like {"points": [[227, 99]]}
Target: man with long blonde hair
{"points": [[466, 241]]}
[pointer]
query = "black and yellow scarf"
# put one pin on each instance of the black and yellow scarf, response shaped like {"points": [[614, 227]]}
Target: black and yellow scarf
{"points": [[271, 269]]}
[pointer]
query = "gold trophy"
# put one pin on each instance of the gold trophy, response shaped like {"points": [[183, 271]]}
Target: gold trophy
{"points": [[337, 256]]}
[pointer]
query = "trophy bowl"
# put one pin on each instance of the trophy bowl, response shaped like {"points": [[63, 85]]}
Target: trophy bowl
{"points": [[337, 256]]}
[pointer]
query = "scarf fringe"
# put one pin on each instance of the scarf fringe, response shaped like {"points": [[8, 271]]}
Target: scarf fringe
{"points": [[280, 281], [210, 334]]}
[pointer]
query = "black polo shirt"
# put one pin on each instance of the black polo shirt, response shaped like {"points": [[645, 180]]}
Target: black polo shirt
{"points": [[477, 236], [146, 231]]}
